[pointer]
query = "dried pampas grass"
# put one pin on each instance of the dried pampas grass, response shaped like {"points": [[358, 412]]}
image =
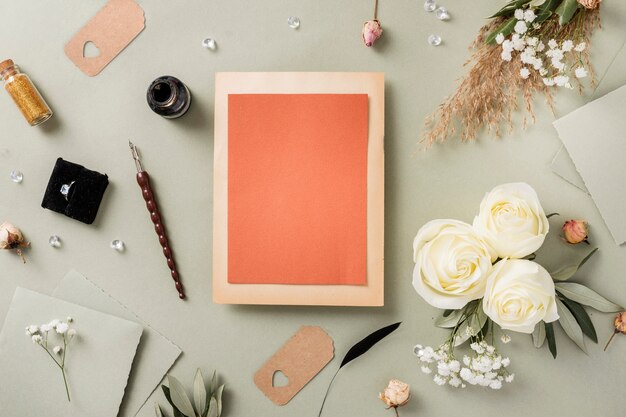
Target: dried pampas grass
{"points": [[488, 95]]}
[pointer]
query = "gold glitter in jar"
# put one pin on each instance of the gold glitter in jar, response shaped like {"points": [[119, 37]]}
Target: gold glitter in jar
{"points": [[24, 94]]}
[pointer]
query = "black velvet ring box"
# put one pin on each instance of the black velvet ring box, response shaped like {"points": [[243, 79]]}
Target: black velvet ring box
{"points": [[82, 187]]}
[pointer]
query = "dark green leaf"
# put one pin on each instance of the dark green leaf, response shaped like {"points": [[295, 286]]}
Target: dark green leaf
{"points": [[586, 296], [359, 349], [566, 11], [166, 392], [570, 325], [367, 343], [505, 29], [582, 318], [551, 339], [446, 313]]}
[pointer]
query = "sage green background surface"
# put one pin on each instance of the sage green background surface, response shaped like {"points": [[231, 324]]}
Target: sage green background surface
{"points": [[95, 117]]}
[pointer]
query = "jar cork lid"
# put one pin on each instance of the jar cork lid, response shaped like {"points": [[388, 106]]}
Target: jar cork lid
{"points": [[8, 63]]}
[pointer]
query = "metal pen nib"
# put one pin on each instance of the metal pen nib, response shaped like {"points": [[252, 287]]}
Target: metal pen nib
{"points": [[135, 153]]}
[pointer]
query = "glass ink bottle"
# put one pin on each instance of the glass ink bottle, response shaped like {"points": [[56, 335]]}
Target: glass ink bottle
{"points": [[169, 97]]}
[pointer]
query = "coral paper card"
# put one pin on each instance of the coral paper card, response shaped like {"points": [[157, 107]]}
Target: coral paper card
{"points": [[297, 189]]}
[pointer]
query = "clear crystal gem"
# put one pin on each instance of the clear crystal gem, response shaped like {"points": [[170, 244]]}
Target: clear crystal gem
{"points": [[118, 245], [55, 241], [429, 5], [65, 189], [293, 22], [16, 176], [434, 40], [442, 13], [209, 43]]}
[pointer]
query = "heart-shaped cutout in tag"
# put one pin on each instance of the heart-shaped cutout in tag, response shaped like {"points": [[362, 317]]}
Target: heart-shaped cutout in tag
{"points": [[90, 50], [279, 379]]}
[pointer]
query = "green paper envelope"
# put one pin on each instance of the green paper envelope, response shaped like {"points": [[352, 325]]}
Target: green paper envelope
{"points": [[155, 354], [98, 361]]}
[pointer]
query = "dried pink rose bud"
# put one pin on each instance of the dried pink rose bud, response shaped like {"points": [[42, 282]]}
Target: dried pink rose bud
{"points": [[11, 238], [620, 326], [575, 231], [590, 4], [371, 32], [396, 394]]}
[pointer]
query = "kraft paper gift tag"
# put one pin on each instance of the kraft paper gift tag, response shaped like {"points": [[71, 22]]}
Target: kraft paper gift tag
{"points": [[109, 31], [155, 354], [595, 138], [98, 360]]}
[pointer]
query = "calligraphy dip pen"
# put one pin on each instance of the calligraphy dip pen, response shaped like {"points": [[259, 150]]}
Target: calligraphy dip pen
{"points": [[143, 179]]}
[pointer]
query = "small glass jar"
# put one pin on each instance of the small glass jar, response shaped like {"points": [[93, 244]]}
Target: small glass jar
{"points": [[168, 97], [24, 94]]}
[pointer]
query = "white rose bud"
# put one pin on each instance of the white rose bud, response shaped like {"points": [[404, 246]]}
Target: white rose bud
{"points": [[396, 394], [451, 263], [512, 221], [10, 236], [519, 295]]}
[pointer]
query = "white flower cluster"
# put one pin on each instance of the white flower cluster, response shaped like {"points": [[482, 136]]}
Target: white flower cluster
{"points": [[39, 334], [486, 368], [548, 60]]}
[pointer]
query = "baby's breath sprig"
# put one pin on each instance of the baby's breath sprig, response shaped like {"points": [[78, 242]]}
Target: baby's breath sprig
{"points": [[43, 335]]}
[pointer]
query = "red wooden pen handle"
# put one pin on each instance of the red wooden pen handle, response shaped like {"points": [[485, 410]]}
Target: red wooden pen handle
{"points": [[143, 179]]}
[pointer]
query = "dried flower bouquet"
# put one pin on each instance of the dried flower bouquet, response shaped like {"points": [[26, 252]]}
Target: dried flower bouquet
{"points": [[529, 47]]}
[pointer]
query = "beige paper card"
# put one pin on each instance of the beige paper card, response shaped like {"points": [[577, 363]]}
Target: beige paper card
{"points": [[303, 356], [372, 84], [110, 30]]}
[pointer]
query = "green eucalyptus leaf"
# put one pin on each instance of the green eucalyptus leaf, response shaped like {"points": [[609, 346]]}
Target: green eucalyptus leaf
{"points": [[550, 338], [213, 409], [179, 397], [510, 8], [461, 335], [157, 410], [583, 319], [539, 335], [218, 397], [585, 296], [570, 325], [199, 392], [213, 385], [449, 321], [478, 319], [566, 11], [166, 392], [505, 28], [536, 3], [566, 272]]}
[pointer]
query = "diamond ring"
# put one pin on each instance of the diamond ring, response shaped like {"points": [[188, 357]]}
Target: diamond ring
{"points": [[65, 190]]}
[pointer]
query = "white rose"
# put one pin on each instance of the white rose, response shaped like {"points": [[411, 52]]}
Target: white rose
{"points": [[512, 221], [519, 295], [396, 394], [451, 263]]}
